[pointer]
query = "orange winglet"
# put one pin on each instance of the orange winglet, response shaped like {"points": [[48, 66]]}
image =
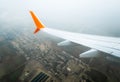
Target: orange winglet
{"points": [[37, 22]]}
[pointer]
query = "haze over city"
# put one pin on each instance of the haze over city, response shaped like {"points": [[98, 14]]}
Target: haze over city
{"points": [[85, 16]]}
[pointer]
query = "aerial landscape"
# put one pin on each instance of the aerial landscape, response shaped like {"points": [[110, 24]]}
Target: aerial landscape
{"points": [[21, 60], [29, 57]]}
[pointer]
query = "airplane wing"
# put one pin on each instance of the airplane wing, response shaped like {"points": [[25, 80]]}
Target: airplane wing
{"points": [[110, 45]]}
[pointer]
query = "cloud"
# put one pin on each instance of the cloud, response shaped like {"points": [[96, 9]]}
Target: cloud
{"points": [[88, 16]]}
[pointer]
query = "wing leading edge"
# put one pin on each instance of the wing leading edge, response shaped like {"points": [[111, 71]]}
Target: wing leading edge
{"points": [[108, 45]]}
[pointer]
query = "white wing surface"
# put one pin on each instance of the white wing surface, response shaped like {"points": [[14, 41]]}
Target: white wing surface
{"points": [[110, 45]]}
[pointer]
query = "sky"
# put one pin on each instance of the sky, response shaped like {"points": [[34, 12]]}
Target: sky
{"points": [[101, 17]]}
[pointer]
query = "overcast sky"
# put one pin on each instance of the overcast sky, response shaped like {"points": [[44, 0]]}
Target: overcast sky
{"points": [[87, 16]]}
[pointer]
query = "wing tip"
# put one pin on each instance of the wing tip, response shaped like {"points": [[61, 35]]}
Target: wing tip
{"points": [[37, 22], [37, 30]]}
